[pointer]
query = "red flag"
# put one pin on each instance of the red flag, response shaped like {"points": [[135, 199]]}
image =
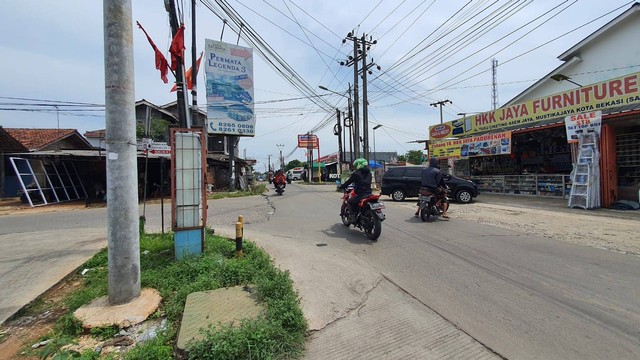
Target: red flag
{"points": [[189, 75], [161, 61], [177, 47]]}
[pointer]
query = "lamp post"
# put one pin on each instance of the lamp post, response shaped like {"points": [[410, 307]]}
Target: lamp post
{"points": [[562, 77]]}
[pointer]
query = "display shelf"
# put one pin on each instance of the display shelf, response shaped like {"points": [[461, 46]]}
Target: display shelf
{"points": [[550, 185], [492, 184], [520, 184], [628, 159]]}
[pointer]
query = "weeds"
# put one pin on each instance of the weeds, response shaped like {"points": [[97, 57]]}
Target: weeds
{"points": [[278, 334], [253, 190]]}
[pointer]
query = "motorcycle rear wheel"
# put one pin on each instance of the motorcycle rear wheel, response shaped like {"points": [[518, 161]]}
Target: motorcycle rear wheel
{"points": [[425, 214], [344, 215], [371, 224]]}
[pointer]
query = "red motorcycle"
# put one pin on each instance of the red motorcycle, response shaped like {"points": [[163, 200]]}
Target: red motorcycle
{"points": [[369, 217]]}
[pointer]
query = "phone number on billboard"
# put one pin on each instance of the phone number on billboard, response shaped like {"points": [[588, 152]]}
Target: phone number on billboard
{"points": [[232, 128]]}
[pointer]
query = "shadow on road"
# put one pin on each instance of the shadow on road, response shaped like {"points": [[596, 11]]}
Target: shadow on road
{"points": [[351, 234]]}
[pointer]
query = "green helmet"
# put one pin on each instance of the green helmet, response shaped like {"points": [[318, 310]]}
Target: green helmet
{"points": [[359, 163]]}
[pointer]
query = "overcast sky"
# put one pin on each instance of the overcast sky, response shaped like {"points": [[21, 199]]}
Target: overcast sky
{"points": [[428, 51]]}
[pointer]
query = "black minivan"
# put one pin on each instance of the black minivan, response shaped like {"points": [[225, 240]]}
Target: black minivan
{"points": [[404, 181]]}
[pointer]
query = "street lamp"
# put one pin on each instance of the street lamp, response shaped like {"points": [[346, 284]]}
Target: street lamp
{"points": [[562, 77]]}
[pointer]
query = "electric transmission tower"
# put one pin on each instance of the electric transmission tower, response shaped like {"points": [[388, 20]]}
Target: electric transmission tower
{"points": [[494, 83]]}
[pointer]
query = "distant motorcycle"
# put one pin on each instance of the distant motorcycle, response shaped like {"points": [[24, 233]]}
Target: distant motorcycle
{"points": [[279, 188], [427, 203], [369, 217]]}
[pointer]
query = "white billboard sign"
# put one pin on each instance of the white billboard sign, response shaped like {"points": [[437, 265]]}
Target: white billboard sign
{"points": [[229, 77], [582, 123]]}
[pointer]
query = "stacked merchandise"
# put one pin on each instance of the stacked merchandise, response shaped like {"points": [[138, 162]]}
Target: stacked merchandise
{"points": [[585, 188]]}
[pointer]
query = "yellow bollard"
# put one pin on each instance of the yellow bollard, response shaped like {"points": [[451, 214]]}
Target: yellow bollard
{"points": [[241, 220], [239, 239]]}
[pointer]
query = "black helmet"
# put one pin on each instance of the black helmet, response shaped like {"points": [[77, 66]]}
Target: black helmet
{"points": [[433, 162]]}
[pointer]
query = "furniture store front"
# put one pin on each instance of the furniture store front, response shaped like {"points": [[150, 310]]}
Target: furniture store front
{"points": [[530, 148]]}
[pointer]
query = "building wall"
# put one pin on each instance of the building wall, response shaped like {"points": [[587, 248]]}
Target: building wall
{"points": [[606, 57]]}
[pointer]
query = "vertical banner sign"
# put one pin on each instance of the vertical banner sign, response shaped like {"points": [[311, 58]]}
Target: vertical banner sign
{"points": [[582, 124], [229, 75]]}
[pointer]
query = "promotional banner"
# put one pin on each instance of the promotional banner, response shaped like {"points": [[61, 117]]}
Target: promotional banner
{"points": [[611, 93], [582, 123], [484, 145], [308, 141], [229, 75]]}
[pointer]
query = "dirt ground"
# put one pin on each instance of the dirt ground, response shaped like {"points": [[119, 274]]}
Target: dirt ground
{"points": [[597, 229]]}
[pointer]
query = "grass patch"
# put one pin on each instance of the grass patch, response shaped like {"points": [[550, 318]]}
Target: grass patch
{"points": [[279, 334], [253, 190]]}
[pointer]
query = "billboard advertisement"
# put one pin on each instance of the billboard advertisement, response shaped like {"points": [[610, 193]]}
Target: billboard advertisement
{"points": [[582, 124], [308, 141], [624, 90], [483, 145], [229, 79]]}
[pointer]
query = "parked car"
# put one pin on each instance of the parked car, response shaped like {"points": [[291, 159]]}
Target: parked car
{"points": [[404, 181]]}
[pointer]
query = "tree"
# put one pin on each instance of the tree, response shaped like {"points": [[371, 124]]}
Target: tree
{"points": [[414, 157], [292, 164], [159, 129]]}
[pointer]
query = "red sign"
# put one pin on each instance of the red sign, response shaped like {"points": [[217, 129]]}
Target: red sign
{"points": [[308, 141], [439, 131]]}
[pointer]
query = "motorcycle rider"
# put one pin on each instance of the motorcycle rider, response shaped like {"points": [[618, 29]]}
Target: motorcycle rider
{"points": [[433, 181], [280, 179], [361, 178]]}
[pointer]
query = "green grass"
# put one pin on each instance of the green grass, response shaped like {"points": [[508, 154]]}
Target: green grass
{"points": [[279, 334], [253, 190]]}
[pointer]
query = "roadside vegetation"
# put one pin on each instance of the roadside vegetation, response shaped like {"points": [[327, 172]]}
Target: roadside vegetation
{"points": [[253, 190], [278, 334]]}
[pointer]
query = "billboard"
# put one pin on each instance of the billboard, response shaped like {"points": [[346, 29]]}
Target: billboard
{"points": [[308, 141], [483, 145], [229, 78], [624, 90]]}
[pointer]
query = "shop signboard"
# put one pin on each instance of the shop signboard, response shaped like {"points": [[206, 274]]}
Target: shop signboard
{"points": [[483, 145], [308, 141], [582, 123], [624, 90], [229, 75]]}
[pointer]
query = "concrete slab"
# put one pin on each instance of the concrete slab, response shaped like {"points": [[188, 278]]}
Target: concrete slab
{"points": [[215, 307], [99, 313]]}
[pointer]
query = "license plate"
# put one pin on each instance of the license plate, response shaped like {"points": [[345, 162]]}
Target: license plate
{"points": [[375, 206]]}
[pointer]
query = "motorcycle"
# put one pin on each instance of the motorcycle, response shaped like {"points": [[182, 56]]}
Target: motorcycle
{"points": [[279, 188], [427, 203], [369, 217]]}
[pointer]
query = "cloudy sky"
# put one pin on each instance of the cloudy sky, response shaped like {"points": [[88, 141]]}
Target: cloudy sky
{"points": [[428, 51]]}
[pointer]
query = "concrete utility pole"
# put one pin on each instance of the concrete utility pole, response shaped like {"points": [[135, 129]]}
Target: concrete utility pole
{"points": [[337, 130], [173, 21], [123, 236], [440, 103], [353, 60], [365, 103]]}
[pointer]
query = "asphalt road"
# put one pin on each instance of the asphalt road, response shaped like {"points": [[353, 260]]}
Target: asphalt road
{"points": [[524, 297], [445, 288]]}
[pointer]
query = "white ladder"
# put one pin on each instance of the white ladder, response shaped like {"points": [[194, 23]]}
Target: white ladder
{"points": [[585, 184]]}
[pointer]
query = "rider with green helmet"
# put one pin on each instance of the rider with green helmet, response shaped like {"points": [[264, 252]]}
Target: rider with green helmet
{"points": [[361, 178]]}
